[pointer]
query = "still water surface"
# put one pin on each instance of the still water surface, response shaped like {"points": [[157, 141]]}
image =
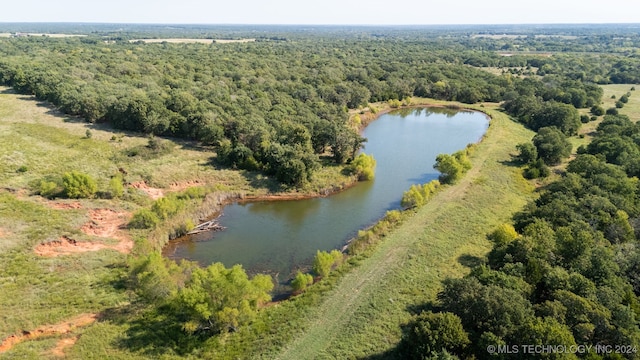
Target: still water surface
{"points": [[278, 237]]}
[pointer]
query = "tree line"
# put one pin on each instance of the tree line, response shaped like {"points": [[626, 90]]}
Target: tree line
{"points": [[279, 106]]}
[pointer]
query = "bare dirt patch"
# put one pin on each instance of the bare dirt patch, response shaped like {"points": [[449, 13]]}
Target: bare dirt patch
{"points": [[64, 327], [108, 223], [183, 185], [153, 193], [66, 205], [104, 223], [63, 344], [65, 246]]}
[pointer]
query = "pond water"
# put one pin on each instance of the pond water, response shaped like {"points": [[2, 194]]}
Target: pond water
{"points": [[279, 237]]}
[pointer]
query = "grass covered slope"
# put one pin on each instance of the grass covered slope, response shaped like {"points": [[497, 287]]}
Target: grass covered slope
{"points": [[362, 316]]}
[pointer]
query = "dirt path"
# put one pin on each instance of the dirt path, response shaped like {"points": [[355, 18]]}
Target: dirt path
{"points": [[64, 327]]}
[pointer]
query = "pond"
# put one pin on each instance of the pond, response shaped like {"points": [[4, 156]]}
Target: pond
{"points": [[279, 237]]}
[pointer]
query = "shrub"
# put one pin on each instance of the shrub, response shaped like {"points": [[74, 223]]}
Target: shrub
{"points": [[527, 153], [503, 235], [597, 110], [22, 169], [165, 207], [195, 192], [324, 261], [363, 166], [431, 333], [116, 186], [418, 195], [394, 103], [78, 185], [451, 170], [584, 119], [49, 189], [144, 219], [612, 111], [301, 281]]}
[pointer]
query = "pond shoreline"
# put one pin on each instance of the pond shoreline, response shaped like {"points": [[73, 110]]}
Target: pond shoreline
{"points": [[231, 198]]}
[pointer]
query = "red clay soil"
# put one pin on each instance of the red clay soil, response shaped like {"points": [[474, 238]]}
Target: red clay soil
{"points": [[65, 246], [64, 327], [105, 223], [153, 193], [183, 185], [63, 344], [66, 205]]}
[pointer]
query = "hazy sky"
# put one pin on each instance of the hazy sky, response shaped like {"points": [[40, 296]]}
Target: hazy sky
{"points": [[410, 12]]}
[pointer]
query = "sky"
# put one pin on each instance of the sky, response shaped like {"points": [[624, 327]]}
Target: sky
{"points": [[346, 12]]}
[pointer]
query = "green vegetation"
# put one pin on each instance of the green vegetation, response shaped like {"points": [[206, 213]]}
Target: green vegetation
{"points": [[271, 116], [78, 185], [325, 261], [301, 281], [552, 145], [565, 276], [363, 166], [419, 195]]}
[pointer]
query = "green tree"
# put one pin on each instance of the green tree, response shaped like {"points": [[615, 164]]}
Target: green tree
{"points": [[144, 219], [429, 333], [449, 167], [324, 261], [503, 235], [552, 145], [301, 281], [116, 186], [221, 299], [363, 166], [527, 153], [78, 185]]}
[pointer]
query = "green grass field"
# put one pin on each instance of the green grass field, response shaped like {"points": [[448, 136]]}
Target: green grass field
{"points": [[359, 317]]}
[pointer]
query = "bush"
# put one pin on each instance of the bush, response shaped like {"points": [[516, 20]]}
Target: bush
{"points": [[552, 145], [144, 219], [536, 169], [324, 261], [116, 186], [503, 235], [394, 103], [165, 207], [584, 119], [78, 185], [612, 111], [49, 189], [418, 195], [597, 110], [527, 153], [363, 166], [301, 281], [22, 169], [451, 170], [430, 333]]}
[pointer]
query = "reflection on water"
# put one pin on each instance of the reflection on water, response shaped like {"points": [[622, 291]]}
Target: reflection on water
{"points": [[279, 237]]}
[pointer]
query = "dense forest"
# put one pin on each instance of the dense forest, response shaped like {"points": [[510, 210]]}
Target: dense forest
{"points": [[278, 104], [565, 271]]}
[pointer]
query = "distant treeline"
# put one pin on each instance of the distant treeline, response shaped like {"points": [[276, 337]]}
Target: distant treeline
{"points": [[275, 106]]}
